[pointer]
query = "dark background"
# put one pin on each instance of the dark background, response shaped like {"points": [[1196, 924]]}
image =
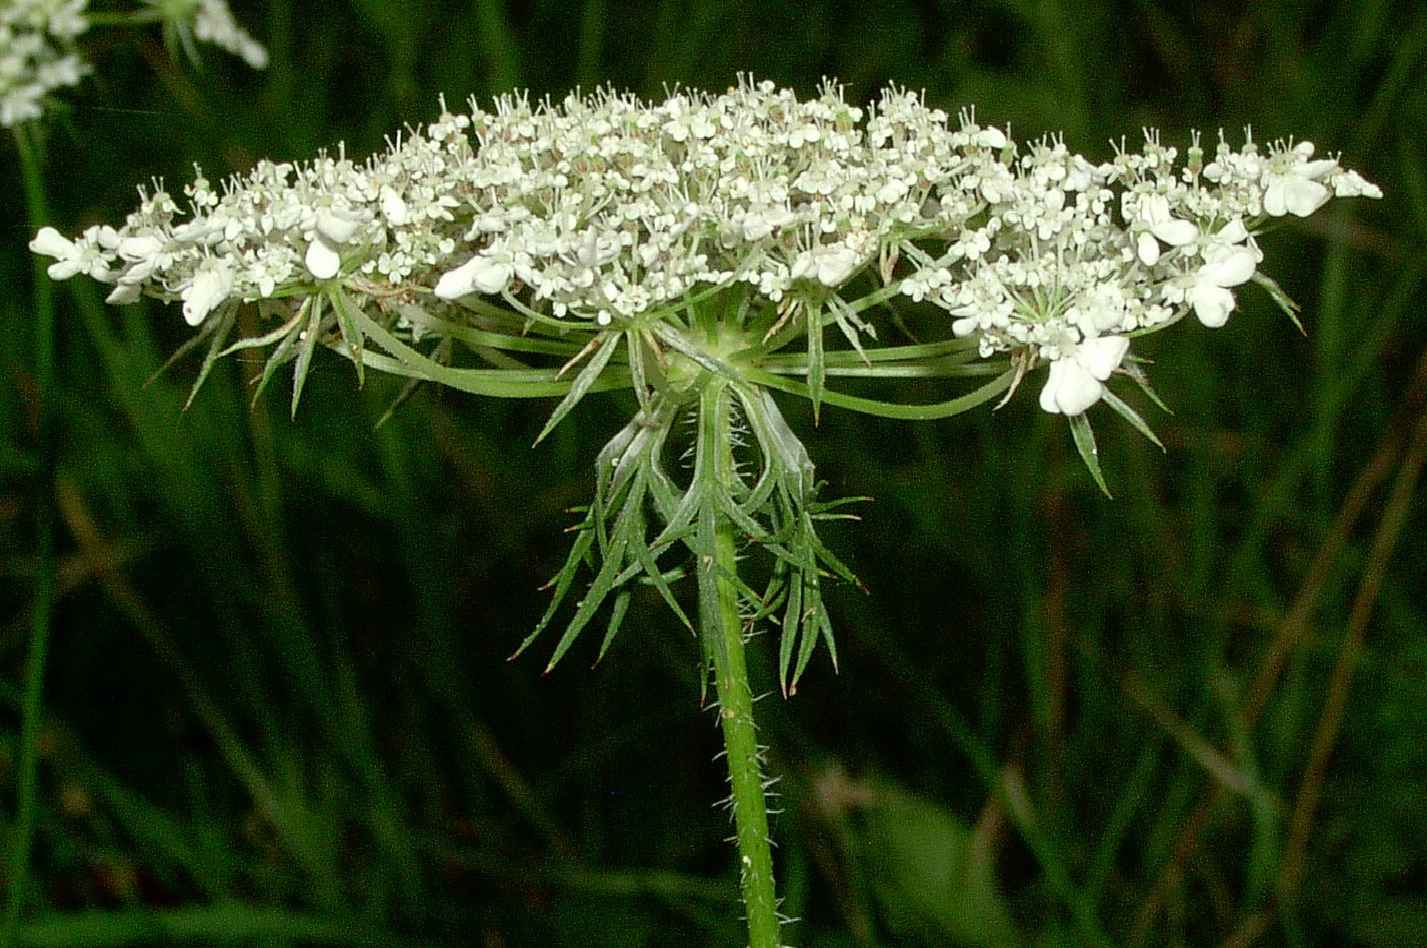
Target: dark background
{"points": [[279, 710]]}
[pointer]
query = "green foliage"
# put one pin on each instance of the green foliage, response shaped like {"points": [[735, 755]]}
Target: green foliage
{"points": [[278, 707]]}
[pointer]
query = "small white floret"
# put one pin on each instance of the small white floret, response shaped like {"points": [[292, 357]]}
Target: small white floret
{"points": [[394, 209], [835, 266], [1293, 194], [210, 287], [1076, 381], [335, 228], [52, 243], [478, 274], [322, 261]]}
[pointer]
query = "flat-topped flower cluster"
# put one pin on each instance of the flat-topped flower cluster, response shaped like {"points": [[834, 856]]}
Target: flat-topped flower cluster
{"points": [[608, 211]]}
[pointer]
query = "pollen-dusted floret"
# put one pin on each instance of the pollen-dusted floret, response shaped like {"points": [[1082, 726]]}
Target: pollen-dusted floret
{"points": [[606, 210]]}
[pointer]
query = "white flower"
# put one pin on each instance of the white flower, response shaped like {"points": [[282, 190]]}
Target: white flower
{"points": [[1229, 259], [1160, 226], [605, 207], [477, 275], [1209, 294], [1293, 184], [394, 208], [210, 287], [336, 228], [830, 266], [1351, 184], [322, 259], [35, 54], [213, 23], [1076, 380], [71, 257]]}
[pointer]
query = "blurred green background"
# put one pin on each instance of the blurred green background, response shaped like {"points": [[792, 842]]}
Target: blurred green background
{"points": [[278, 706]]}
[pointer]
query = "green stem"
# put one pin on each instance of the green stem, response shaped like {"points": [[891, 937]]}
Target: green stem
{"points": [[41, 613], [723, 637]]}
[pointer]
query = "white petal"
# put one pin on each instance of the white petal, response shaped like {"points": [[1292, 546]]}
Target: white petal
{"points": [[1295, 195], [992, 138], [52, 243], [336, 229], [1352, 184], [1102, 356], [1233, 232], [1154, 208], [459, 282], [1212, 304], [209, 288], [493, 277], [1069, 388], [1230, 267], [802, 267], [103, 235], [892, 192], [140, 272], [322, 261], [394, 209], [1148, 249], [1305, 197], [835, 267], [1175, 232], [135, 249], [478, 274]]}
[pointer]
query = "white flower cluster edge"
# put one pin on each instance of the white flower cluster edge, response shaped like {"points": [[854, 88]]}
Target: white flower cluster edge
{"points": [[608, 209], [38, 55]]}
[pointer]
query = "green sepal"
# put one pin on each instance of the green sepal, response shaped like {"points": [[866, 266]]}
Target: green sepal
{"points": [[219, 330], [280, 355], [881, 409], [306, 345], [817, 368], [267, 339], [1284, 301], [604, 346], [852, 326], [646, 565], [695, 354], [599, 588], [1133, 370], [564, 579], [485, 339], [1133, 417], [705, 534], [442, 350], [351, 331], [1085, 444], [499, 383], [616, 619], [635, 353], [613, 537], [791, 630]]}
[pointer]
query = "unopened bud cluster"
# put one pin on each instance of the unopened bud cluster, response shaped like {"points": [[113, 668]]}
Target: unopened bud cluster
{"points": [[605, 210]]}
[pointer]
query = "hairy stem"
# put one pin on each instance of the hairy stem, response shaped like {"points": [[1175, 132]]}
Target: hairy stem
{"points": [[723, 642]]}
